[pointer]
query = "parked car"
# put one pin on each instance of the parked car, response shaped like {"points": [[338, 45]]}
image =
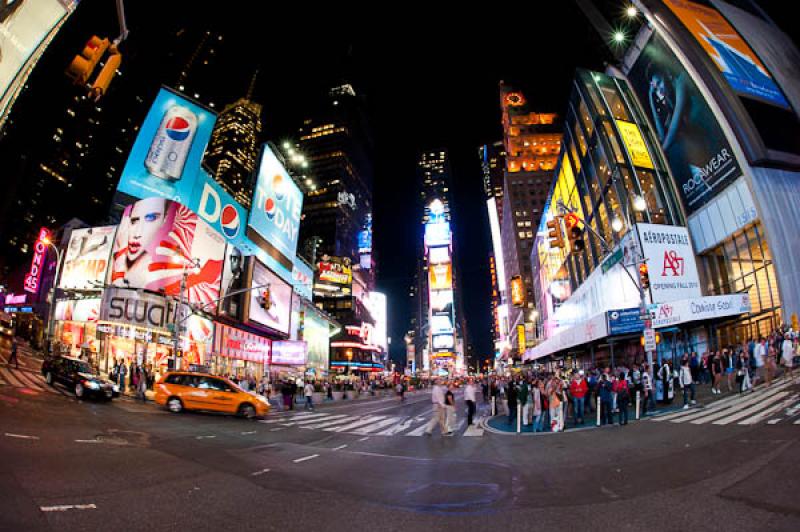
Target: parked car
{"points": [[186, 390], [78, 376]]}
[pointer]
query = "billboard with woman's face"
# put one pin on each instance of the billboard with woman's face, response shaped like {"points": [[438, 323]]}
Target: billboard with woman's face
{"points": [[699, 155], [157, 241]]}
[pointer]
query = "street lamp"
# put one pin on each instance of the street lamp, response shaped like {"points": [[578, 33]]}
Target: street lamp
{"points": [[52, 313], [631, 11]]}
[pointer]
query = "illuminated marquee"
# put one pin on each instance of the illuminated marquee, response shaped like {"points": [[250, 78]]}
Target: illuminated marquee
{"points": [[33, 276]]}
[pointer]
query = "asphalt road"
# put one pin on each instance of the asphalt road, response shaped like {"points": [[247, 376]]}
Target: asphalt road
{"points": [[81, 465]]}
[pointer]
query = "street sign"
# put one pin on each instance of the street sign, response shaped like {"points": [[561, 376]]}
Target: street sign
{"points": [[649, 340], [612, 260]]}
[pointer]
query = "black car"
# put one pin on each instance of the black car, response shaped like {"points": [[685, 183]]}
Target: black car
{"points": [[77, 375]]}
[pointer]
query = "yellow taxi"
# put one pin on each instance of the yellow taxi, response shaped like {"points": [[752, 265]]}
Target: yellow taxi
{"points": [[186, 390]]}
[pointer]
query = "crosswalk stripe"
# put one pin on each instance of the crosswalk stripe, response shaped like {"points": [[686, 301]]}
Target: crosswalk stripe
{"points": [[355, 424], [307, 416], [759, 402], [11, 378], [796, 422], [31, 381], [713, 413], [396, 429], [768, 412], [419, 431], [327, 417], [332, 423], [752, 410], [773, 421], [379, 425], [718, 405]]}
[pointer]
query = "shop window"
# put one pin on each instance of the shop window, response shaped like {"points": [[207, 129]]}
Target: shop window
{"points": [[612, 139], [588, 125]]}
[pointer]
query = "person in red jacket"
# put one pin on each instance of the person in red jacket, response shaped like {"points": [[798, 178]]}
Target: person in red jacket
{"points": [[578, 390]]}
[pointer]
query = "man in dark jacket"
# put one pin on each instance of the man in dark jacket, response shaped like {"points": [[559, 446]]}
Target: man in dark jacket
{"points": [[511, 393]]}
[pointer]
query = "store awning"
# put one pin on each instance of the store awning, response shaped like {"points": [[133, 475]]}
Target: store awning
{"points": [[590, 330]]}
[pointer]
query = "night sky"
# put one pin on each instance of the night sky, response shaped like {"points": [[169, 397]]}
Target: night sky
{"points": [[430, 79]]}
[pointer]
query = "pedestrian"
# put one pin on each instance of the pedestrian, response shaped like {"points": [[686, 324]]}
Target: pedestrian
{"points": [[759, 358], [743, 372], [308, 391], [716, 372], [132, 373], [121, 372], [553, 391], [770, 364], [469, 398], [647, 386], [511, 396], [141, 386], [329, 391], [286, 394], [438, 415], [400, 389], [686, 382], [787, 355], [578, 390], [13, 355], [605, 389], [623, 398], [449, 410], [729, 360], [485, 390], [537, 396], [522, 400]]}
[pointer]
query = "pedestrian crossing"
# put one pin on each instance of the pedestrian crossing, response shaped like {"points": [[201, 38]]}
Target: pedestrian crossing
{"points": [[364, 425], [780, 403], [25, 380]]}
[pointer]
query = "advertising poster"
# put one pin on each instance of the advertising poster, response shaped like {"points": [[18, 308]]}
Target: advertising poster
{"points": [[376, 304], [86, 310], [86, 258], [441, 323], [443, 341], [236, 343], [670, 262], [23, 26], [700, 157], [442, 301], [441, 277], [199, 335], [439, 255], [289, 353], [233, 271], [734, 58], [316, 335], [277, 205], [335, 271], [634, 143], [166, 156], [157, 240], [437, 234], [274, 312]]}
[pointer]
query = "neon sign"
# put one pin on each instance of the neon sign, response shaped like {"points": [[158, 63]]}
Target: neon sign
{"points": [[33, 277]]}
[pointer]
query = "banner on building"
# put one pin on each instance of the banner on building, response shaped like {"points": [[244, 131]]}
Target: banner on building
{"points": [[87, 258]]}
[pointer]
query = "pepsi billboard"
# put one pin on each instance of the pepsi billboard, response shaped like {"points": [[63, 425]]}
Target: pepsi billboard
{"points": [[277, 205], [166, 156]]}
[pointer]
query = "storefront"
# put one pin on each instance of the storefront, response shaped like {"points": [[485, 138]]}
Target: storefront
{"points": [[239, 353], [76, 328], [288, 360]]}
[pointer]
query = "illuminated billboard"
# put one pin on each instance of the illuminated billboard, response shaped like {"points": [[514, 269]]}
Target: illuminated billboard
{"points": [[441, 323], [335, 271], [316, 334], [698, 153], [517, 291], [84, 310], [437, 234], [439, 255], [34, 275], [634, 143], [271, 305], [157, 240], [442, 341], [289, 352], [376, 304], [277, 205], [441, 300], [86, 258], [743, 70], [440, 277]]}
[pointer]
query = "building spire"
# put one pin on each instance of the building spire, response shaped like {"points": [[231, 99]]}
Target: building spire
{"points": [[252, 85]]}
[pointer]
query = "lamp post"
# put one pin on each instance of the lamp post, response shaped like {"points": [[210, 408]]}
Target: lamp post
{"points": [[52, 313], [177, 325]]}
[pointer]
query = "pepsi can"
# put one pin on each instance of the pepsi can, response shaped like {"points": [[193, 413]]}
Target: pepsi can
{"points": [[171, 144]]}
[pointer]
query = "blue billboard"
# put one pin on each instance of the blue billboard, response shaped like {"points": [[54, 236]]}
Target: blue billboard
{"points": [[277, 206], [166, 156]]}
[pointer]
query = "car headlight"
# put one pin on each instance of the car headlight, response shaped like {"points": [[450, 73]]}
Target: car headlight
{"points": [[115, 387], [92, 385], [263, 399]]}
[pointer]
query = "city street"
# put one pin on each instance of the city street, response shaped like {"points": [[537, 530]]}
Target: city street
{"points": [[75, 465]]}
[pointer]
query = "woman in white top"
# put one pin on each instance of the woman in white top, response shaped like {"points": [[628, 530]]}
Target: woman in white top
{"points": [[787, 356]]}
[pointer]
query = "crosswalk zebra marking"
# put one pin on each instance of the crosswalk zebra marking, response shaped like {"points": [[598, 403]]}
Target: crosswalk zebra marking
{"points": [[11, 378], [750, 411], [396, 429], [768, 412], [717, 405], [710, 414], [327, 417], [379, 425], [346, 419], [355, 424], [735, 410]]}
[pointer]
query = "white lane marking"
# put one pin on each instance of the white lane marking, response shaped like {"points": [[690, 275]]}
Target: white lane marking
{"points": [[346, 419], [11, 378], [379, 425], [204, 437], [705, 417], [303, 459], [752, 410], [21, 436], [249, 432], [356, 424], [340, 447], [313, 422], [276, 429], [365, 438], [716, 406], [773, 421], [65, 507], [303, 417], [766, 413], [257, 473], [88, 441], [400, 427]]}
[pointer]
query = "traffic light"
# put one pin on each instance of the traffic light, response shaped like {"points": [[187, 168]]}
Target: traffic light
{"points": [[82, 65], [107, 73], [644, 276], [574, 232], [265, 302], [555, 236]]}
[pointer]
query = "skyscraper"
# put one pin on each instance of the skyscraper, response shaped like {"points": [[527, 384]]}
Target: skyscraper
{"points": [[232, 153], [532, 142]]}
